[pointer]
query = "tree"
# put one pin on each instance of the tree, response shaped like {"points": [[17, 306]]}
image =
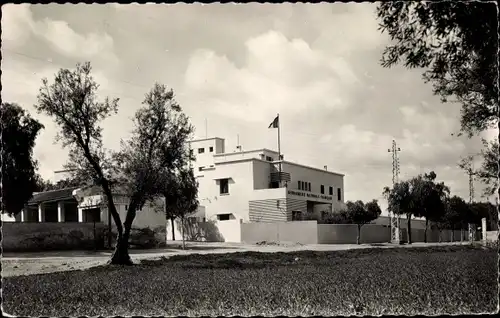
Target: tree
{"points": [[480, 210], [19, 132], [157, 145], [47, 185], [181, 196], [429, 198], [487, 173], [360, 214], [457, 214], [456, 42], [401, 201]]}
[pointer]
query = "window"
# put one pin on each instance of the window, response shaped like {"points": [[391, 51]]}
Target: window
{"points": [[223, 217], [211, 149], [322, 189], [309, 187], [269, 158], [299, 185], [338, 194], [331, 190], [201, 168], [224, 186], [201, 150]]}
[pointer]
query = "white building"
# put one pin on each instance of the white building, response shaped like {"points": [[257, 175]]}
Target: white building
{"points": [[247, 185]]}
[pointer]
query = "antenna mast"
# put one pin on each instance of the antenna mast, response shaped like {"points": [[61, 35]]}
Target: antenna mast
{"points": [[394, 218]]}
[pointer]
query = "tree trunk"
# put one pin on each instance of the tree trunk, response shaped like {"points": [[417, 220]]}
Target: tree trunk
{"points": [[425, 231], [409, 228], [166, 231], [440, 231], [121, 255], [173, 228], [452, 233], [182, 227], [359, 234]]}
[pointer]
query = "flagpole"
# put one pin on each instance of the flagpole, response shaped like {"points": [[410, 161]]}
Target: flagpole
{"points": [[279, 147]]}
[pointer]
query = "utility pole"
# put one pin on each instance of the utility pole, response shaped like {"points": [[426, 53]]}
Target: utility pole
{"points": [[394, 219], [471, 196]]}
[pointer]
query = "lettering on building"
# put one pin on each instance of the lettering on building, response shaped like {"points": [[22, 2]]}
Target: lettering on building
{"points": [[310, 195]]}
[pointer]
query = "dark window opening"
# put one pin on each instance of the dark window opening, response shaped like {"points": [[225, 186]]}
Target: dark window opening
{"points": [[269, 158], [309, 187], [331, 191], [322, 189], [224, 186], [211, 149], [274, 185], [223, 217], [201, 168], [339, 194], [92, 215], [201, 150], [299, 184]]}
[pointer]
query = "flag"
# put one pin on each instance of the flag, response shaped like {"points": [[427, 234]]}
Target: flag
{"points": [[275, 123]]}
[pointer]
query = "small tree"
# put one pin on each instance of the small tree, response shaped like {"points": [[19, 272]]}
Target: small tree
{"points": [[19, 179], [429, 198], [457, 210], [181, 196], [401, 201], [360, 214]]}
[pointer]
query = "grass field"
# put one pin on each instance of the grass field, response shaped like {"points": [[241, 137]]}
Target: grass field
{"points": [[436, 280]]}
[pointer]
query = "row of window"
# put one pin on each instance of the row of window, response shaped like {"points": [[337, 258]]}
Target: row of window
{"points": [[306, 186], [202, 150]]}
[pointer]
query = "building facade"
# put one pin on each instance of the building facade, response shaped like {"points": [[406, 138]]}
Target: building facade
{"points": [[256, 186]]}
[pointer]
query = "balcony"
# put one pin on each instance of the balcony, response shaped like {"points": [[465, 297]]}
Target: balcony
{"points": [[280, 176], [279, 179]]}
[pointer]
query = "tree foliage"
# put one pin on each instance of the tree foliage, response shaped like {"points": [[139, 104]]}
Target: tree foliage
{"points": [[430, 198], [456, 42], [487, 172], [181, 195], [47, 185], [360, 214], [420, 196], [19, 131], [156, 148]]}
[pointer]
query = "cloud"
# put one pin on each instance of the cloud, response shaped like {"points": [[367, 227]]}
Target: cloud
{"points": [[19, 25], [279, 74], [66, 41]]}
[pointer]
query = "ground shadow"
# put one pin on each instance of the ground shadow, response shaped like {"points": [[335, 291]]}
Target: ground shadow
{"points": [[197, 231]]}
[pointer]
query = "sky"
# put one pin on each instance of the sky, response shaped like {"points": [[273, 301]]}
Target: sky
{"points": [[233, 68]]}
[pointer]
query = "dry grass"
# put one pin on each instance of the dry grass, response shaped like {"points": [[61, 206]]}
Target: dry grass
{"points": [[436, 280]]}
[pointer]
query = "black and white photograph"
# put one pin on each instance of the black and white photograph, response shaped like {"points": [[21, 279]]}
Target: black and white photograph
{"points": [[250, 159]]}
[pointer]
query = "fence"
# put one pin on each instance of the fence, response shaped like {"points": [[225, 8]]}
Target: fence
{"points": [[17, 237], [310, 232]]}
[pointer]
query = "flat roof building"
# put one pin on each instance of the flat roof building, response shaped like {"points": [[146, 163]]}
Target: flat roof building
{"points": [[248, 185]]}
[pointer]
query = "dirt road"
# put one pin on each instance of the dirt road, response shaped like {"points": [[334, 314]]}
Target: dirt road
{"points": [[48, 262]]}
